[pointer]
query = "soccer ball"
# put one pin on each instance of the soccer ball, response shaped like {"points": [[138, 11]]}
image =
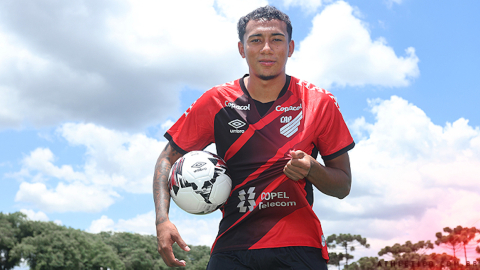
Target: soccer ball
{"points": [[199, 182]]}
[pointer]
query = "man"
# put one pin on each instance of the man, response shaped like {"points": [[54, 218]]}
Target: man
{"points": [[269, 128]]}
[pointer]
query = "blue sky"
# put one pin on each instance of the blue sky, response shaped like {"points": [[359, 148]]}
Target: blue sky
{"points": [[87, 90]]}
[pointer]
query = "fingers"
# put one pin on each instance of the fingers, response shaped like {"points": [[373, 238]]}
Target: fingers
{"points": [[292, 174], [167, 235], [297, 154], [181, 243], [169, 258], [298, 167]]}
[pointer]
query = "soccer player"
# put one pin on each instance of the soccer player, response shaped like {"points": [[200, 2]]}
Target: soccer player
{"points": [[269, 127]]}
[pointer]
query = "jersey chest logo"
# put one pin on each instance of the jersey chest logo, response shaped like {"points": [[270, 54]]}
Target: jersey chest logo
{"points": [[237, 124], [292, 125], [247, 200]]}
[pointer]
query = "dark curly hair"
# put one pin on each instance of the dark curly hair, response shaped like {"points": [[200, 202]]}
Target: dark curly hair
{"points": [[268, 13]]}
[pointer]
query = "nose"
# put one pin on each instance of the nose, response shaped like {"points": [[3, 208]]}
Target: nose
{"points": [[266, 48]]}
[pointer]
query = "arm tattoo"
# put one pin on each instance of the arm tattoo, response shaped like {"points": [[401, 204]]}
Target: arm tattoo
{"points": [[161, 195]]}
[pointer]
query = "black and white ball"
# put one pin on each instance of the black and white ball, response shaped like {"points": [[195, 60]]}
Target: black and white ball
{"points": [[199, 182]]}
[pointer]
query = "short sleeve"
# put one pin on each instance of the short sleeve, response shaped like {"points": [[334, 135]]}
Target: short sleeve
{"points": [[333, 136], [194, 129]]}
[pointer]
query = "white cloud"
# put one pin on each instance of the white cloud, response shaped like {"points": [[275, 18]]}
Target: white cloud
{"points": [[339, 50], [116, 158], [306, 5], [104, 224], [167, 124], [194, 230], [411, 177], [120, 64], [114, 162], [32, 215], [233, 10], [143, 224], [66, 198], [41, 160], [123, 64], [198, 231]]}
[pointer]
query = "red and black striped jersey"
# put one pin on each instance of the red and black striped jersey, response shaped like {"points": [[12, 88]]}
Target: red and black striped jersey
{"points": [[265, 208]]}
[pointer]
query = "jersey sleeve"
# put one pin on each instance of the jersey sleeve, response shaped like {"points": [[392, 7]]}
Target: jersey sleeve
{"points": [[334, 138], [194, 129]]}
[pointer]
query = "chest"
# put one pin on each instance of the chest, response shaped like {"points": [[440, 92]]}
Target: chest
{"points": [[240, 126]]}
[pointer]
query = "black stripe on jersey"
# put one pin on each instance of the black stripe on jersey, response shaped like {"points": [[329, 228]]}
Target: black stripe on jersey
{"points": [[256, 226], [174, 145], [340, 152], [225, 134], [308, 185]]}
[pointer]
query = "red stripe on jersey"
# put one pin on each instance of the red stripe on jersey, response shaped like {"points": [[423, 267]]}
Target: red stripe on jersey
{"points": [[280, 154], [240, 142], [296, 226], [271, 187]]}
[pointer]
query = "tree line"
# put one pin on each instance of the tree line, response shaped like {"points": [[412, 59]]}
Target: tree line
{"points": [[409, 255], [48, 246]]}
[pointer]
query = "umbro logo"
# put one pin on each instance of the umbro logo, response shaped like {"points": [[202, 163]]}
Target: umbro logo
{"points": [[237, 124], [198, 164]]}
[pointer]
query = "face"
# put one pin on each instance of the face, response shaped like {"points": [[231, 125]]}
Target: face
{"points": [[266, 48]]}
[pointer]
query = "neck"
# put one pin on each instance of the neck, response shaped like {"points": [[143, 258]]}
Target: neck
{"points": [[265, 90]]}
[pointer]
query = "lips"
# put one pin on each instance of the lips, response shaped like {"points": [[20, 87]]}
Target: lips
{"points": [[266, 62]]}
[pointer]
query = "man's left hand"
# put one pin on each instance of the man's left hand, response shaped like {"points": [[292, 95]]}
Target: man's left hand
{"points": [[299, 166]]}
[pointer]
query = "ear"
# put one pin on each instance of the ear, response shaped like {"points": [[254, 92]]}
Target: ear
{"points": [[291, 47], [241, 49]]}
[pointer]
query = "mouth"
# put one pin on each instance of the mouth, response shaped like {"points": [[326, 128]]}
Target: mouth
{"points": [[266, 62]]}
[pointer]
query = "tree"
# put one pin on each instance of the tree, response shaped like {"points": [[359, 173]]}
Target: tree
{"points": [[443, 259], [64, 248], [46, 245], [407, 251], [477, 249], [456, 238], [138, 251], [10, 235], [134, 250], [336, 258], [466, 235], [364, 263], [347, 242]]}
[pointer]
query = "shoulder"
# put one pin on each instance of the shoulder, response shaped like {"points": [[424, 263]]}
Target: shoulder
{"points": [[225, 90], [311, 93], [217, 96]]}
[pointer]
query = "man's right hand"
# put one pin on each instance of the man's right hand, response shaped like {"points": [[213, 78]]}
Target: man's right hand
{"points": [[167, 235]]}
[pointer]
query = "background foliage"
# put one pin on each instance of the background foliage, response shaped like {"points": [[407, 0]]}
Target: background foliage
{"points": [[48, 246]]}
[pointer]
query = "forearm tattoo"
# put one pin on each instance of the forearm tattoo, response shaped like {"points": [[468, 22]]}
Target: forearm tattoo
{"points": [[161, 196]]}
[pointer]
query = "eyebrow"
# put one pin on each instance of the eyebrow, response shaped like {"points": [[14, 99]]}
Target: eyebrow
{"points": [[259, 35]]}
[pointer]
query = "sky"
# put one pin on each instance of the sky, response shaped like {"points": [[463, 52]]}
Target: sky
{"points": [[88, 88]]}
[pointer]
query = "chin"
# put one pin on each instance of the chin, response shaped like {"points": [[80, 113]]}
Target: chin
{"points": [[267, 77]]}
